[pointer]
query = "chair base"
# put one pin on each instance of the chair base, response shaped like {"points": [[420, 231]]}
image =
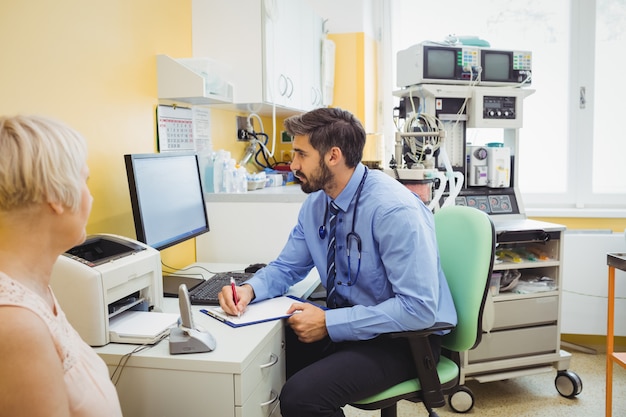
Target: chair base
{"points": [[392, 411]]}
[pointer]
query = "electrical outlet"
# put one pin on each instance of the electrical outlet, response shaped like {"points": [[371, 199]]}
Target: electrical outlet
{"points": [[286, 156], [242, 129]]}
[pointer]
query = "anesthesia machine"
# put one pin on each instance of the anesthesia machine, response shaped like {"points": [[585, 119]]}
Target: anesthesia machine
{"points": [[457, 143]]}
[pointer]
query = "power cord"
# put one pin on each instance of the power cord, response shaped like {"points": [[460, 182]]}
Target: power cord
{"points": [[176, 270], [117, 372], [264, 152]]}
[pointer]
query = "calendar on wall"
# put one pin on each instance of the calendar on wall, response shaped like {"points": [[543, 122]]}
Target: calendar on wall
{"points": [[175, 128], [183, 129]]}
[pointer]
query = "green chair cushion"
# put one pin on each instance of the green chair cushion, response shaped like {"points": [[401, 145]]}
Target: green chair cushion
{"points": [[447, 370]]}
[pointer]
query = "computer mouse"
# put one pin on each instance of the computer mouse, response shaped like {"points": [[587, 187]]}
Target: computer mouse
{"points": [[252, 268]]}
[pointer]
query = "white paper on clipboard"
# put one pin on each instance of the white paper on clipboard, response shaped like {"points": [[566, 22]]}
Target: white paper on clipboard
{"points": [[260, 312]]}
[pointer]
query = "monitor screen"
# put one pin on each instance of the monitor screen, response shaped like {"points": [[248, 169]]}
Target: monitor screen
{"points": [[166, 197], [440, 63], [496, 66]]}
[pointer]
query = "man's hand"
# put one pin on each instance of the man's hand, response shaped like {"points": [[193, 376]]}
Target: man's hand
{"points": [[245, 294], [308, 322]]}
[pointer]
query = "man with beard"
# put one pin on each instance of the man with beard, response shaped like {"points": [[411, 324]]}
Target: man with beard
{"points": [[373, 243]]}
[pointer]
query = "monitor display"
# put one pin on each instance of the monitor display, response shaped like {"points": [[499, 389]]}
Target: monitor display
{"points": [[496, 66], [440, 63], [166, 197]]}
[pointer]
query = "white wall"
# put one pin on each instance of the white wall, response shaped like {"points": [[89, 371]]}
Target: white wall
{"points": [[585, 283]]}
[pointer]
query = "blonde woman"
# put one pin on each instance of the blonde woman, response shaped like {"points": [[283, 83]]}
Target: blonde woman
{"points": [[46, 369]]}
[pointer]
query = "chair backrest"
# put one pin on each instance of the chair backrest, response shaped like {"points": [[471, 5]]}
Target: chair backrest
{"points": [[466, 239]]}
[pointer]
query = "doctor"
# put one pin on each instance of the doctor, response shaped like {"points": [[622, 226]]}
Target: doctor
{"points": [[373, 243]]}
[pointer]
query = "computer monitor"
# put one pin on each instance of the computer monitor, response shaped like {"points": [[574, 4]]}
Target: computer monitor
{"points": [[166, 197]]}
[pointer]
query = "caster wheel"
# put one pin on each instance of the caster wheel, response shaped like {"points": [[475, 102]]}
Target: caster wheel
{"points": [[462, 400], [568, 384]]}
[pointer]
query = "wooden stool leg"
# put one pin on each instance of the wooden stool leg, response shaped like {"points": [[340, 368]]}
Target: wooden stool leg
{"points": [[609, 342]]}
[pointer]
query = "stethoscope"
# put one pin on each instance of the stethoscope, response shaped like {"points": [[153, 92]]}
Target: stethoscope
{"points": [[350, 237]]}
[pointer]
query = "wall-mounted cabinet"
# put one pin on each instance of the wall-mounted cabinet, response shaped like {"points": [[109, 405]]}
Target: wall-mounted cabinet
{"points": [[178, 83], [272, 50]]}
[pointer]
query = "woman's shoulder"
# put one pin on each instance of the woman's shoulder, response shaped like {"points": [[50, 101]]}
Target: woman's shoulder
{"points": [[14, 293], [21, 330], [21, 311]]}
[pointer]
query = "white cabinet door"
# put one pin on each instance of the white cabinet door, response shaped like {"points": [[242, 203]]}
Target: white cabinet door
{"points": [[230, 32], [283, 52], [271, 48], [312, 37]]}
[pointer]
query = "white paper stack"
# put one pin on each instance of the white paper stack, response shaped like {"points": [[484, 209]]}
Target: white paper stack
{"points": [[141, 327]]}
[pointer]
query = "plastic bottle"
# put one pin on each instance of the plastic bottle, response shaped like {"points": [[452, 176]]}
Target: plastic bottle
{"points": [[229, 176], [208, 160], [241, 180], [221, 159]]}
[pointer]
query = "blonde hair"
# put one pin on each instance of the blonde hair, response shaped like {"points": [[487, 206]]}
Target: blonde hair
{"points": [[41, 161]]}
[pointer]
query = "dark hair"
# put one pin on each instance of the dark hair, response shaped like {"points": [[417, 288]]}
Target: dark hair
{"points": [[328, 127]]}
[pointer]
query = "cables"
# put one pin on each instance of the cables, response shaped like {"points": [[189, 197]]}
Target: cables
{"points": [[419, 149], [250, 127], [263, 152], [117, 372], [176, 271]]}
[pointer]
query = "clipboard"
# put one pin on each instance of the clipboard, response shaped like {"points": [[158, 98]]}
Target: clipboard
{"points": [[261, 312]]}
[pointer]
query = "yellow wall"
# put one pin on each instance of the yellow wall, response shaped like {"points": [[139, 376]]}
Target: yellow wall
{"points": [[614, 224], [356, 77], [93, 65]]}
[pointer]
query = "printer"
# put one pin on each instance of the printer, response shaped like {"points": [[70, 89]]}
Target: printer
{"points": [[104, 277]]}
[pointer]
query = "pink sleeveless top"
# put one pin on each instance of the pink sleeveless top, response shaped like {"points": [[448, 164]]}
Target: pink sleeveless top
{"points": [[91, 392]]}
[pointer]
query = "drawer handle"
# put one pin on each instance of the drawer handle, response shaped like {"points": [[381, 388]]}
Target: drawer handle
{"points": [[272, 362], [273, 400]]}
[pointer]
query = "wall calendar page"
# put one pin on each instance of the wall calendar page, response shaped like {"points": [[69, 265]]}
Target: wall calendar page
{"points": [[175, 128]]}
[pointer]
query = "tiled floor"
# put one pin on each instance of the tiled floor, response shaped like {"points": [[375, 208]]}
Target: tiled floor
{"points": [[534, 395]]}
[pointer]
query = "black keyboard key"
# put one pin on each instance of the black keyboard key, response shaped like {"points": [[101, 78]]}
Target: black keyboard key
{"points": [[206, 293]]}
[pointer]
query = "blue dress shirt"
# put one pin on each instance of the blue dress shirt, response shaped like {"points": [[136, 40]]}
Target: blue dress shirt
{"points": [[400, 286]]}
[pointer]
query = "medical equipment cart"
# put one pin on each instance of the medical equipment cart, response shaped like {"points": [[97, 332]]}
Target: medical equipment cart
{"points": [[521, 326]]}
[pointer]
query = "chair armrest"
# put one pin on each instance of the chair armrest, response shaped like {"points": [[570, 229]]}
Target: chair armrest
{"points": [[424, 360], [438, 326]]}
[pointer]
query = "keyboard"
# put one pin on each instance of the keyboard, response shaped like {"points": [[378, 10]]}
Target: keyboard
{"points": [[206, 292]]}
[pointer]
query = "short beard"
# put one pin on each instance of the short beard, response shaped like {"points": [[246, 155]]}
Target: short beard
{"points": [[317, 182]]}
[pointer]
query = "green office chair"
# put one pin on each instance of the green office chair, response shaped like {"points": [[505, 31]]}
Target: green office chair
{"points": [[466, 239]]}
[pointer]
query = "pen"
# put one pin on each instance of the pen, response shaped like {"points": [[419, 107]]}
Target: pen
{"points": [[233, 286]]}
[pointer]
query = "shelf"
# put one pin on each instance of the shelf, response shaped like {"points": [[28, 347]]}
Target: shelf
{"points": [[619, 358], [524, 265], [178, 83], [510, 295], [457, 91]]}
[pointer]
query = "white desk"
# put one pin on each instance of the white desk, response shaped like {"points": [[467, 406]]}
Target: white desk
{"points": [[242, 377]]}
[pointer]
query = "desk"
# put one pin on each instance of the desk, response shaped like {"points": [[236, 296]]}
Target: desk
{"points": [[613, 260], [242, 377]]}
